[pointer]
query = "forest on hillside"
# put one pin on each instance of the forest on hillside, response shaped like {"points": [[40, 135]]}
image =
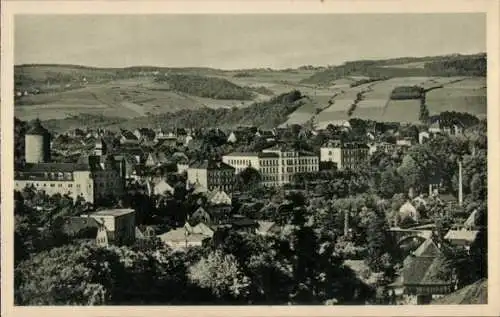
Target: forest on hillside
{"points": [[266, 114], [466, 65], [207, 87]]}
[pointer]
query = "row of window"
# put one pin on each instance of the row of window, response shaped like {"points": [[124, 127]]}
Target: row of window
{"points": [[240, 162], [275, 162], [38, 184]]}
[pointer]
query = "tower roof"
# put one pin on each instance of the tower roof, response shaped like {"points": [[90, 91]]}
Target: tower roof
{"points": [[37, 129]]}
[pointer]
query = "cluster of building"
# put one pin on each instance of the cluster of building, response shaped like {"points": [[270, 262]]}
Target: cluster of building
{"points": [[93, 177], [116, 160]]}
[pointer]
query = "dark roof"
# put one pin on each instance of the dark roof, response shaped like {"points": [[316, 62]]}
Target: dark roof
{"points": [[268, 155], [78, 226], [242, 154], [428, 249], [280, 147], [37, 129], [128, 135], [424, 271], [146, 132], [305, 153], [473, 294], [211, 164], [415, 270], [346, 145], [241, 221], [54, 167]]}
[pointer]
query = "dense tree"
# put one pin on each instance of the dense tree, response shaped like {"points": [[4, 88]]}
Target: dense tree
{"points": [[248, 179], [221, 274]]}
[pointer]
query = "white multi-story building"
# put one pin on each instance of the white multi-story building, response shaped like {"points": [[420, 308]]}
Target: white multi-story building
{"points": [[277, 165]]}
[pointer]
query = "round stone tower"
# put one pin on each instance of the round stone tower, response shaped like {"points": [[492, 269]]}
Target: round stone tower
{"points": [[37, 144]]}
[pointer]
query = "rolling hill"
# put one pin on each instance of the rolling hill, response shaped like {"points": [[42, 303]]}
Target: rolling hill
{"points": [[358, 89]]}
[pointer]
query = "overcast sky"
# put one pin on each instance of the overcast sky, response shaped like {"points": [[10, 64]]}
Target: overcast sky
{"points": [[242, 41]]}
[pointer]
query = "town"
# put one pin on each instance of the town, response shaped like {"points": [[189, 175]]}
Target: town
{"points": [[360, 212], [259, 159]]}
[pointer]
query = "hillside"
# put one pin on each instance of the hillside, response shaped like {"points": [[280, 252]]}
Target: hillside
{"points": [[439, 66], [203, 86], [382, 90], [266, 114]]}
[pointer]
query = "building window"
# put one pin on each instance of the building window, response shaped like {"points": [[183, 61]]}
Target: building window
{"points": [[52, 185], [70, 185]]}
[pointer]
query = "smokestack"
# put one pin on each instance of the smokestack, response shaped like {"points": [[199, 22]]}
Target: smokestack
{"points": [[460, 191], [346, 222], [430, 190]]}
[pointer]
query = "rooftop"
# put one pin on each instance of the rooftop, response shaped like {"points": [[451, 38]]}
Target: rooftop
{"points": [[468, 235], [210, 164], [243, 154], [268, 155], [473, 294], [53, 167], [37, 129], [112, 212]]}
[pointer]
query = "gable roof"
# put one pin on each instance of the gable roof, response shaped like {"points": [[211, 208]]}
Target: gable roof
{"points": [[428, 248], [467, 235], [77, 226], [162, 187], [211, 164], [128, 135], [473, 294], [218, 197], [265, 226], [416, 269], [471, 220], [408, 209]]}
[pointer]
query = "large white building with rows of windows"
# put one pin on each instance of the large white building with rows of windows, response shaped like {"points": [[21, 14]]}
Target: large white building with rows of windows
{"points": [[277, 165]]}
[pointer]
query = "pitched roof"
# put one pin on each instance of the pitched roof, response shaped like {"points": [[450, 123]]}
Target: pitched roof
{"points": [[242, 154], [467, 235], [146, 132], [473, 294], [408, 209], [75, 226], [416, 269], [201, 228], [211, 164], [471, 220], [268, 155], [180, 235], [218, 197], [36, 128], [128, 135], [53, 167], [427, 249], [161, 187], [265, 226], [198, 188]]}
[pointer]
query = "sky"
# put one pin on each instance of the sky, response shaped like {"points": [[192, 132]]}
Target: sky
{"points": [[242, 41]]}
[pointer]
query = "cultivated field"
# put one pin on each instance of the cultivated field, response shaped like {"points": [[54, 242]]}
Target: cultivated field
{"points": [[467, 95], [140, 96], [458, 94]]}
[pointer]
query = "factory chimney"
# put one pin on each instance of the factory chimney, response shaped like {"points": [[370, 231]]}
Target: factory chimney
{"points": [[346, 223], [460, 186]]}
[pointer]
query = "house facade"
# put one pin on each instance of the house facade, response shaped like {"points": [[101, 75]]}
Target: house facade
{"points": [[211, 175], [277, 165], [345, 155]]}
